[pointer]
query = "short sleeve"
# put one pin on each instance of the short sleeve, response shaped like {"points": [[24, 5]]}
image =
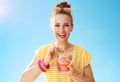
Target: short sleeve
{"points": [[40, 52], [87, 58]]}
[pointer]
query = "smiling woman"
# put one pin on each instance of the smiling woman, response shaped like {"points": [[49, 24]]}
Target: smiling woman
{"points": [[47, 57], [61, 27]]}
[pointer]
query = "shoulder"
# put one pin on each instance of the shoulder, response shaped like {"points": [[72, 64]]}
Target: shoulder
{"points": [[82, 55], [81, 51], [44, 47], [41, 51], [79, 48]]}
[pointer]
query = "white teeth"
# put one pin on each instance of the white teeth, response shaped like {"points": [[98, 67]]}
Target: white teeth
{"points": [[62, 34]]}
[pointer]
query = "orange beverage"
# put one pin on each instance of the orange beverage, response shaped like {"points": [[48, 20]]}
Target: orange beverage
{"points": [[64, 61]]}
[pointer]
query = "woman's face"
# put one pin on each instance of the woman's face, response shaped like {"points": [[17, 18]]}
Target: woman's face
{"points": [[61, 27]]}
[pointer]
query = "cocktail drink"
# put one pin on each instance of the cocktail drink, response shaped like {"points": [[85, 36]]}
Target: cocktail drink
{"points": [[64, 61]]}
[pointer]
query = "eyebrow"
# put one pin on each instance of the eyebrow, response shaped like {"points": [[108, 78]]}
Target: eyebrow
{"points": [[59, 23], [66, 23]]}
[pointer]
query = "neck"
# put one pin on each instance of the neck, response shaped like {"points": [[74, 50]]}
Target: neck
{"points": [[62, 45]]}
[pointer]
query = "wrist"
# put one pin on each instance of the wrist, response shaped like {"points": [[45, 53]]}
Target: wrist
{"points": [[42, 65], [46, 62], [71, 73]]}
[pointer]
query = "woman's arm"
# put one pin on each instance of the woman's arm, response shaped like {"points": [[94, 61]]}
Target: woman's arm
{"points": [[31, 72], [87, 77]]}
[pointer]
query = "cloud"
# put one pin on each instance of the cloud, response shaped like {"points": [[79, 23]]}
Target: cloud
{"points": [[7, 8], [2, 10]]}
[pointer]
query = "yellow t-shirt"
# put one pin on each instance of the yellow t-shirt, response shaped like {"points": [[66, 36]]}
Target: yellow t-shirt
{"points": [[81, 59]]}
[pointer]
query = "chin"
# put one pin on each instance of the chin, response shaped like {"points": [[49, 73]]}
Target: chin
{"points": [[58, 39], [62, 40]]}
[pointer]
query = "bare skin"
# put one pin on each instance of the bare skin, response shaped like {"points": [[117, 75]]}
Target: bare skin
{"points": [[61, 30], [32, 71]]}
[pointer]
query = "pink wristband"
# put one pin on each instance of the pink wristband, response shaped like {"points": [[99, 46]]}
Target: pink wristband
{"points": [[48, 66], [42, 66]]}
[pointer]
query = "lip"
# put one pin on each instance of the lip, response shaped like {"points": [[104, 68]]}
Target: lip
{"points": [[61, 35]]}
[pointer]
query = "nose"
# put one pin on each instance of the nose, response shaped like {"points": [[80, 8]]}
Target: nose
{"points": [[61, 28]]}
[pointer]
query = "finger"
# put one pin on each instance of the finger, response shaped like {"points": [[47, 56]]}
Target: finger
{"points": [[70, 67], [58, 49], [50, 53], [53, 50]]}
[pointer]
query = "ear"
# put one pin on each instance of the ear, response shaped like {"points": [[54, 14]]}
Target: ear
{"points": [[51, 29], [71, 28]]}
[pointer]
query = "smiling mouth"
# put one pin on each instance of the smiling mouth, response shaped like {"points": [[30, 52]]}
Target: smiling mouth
{"points": [[62, 35]]}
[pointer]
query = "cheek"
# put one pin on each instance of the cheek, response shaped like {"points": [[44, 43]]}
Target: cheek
{"points": [[68, 31], [54, 31]]}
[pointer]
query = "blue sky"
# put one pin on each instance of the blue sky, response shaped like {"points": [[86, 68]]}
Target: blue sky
{"points": [[24, 27]]}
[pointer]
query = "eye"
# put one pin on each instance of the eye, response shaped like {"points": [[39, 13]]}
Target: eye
{"points": [[57, 25], [66, 25]]}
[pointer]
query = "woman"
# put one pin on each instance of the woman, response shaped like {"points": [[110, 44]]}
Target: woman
{"points": [[45, 59]]}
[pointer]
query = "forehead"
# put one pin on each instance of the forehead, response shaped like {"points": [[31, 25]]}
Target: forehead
{"points": [[61, 18]]}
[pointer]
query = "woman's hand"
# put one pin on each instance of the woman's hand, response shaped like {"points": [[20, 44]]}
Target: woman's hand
{"points": [[70, 71], [51, 54]]}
